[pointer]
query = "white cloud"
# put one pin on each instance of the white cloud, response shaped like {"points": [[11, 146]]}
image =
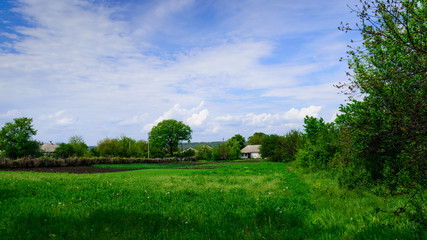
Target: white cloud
{"points": [[117, 68], [292, 117], [10, 114], [194, 116], [65, 121], [57, 118], [197, 119]]}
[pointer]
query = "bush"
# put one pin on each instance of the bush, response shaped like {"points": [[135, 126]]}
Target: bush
{"points": [[281, 148], [321, 143], [204, 152], [124, 147]]}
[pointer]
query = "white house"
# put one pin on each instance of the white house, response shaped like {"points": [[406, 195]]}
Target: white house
{"points": [[251, 151]]}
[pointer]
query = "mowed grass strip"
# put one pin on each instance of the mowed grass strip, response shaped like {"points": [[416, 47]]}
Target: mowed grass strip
{"points": [[141, 166], [245, 201]]}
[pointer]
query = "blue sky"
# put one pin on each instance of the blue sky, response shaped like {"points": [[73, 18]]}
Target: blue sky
{"points": [[110, 68]]}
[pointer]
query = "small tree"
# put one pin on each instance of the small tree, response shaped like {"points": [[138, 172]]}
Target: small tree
{"points": [[79, 146], [168, 133], [64, 150], [16, 139], [204, 152]]}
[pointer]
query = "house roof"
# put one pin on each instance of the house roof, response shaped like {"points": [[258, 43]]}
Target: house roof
{"points": [[49, 147], [251, 149]]}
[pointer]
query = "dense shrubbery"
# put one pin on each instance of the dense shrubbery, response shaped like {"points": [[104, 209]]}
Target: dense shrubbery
{"points": [[124, 147], [229, 150], [321, 143], [203, 152]]}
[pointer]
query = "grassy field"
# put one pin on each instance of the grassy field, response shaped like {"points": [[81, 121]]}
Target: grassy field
{"points": [[236, 201]]}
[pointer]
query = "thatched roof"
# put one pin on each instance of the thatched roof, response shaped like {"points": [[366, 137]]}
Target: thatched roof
{"points": [[49, 147], [251, 149]]}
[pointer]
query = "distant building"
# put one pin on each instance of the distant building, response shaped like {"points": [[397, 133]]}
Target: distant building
{"points": [[251, 151], [48, 148]]}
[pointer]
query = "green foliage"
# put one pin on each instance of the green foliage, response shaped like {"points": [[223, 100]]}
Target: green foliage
{"points": [[64, 150], [187, 154], [271, 147], [229, 150], [167, 135], [204, 152], [16, 139], [108, 147], [389, 127], [124, 147], [94, 152], [322, 143], [79, 146], [281, 148], [256, 139], [240, 139]]}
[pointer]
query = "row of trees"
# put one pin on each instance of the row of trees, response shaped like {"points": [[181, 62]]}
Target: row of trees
{"points": [[16, 141]]}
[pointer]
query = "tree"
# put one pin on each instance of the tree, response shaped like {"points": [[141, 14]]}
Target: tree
{"points": [[204, 152], [240, 139], [64, 150], [271, 147], [321, 143], [168, 133], [79, 146], [122, 147], [229, 150], [256, 139], [389, 126], [16, 139]]}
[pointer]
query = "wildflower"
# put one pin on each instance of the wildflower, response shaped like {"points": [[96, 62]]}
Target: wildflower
{"points": [[168, 193]]}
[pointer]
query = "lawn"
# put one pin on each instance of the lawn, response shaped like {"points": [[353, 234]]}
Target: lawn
{"points": [[235, 201]]}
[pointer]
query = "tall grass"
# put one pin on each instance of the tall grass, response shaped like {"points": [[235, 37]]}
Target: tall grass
{"points": [[356, 214], [248, 201], [243, 201]]}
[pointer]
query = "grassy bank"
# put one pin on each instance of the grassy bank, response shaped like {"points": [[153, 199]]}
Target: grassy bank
{"points": [[240, 201]]}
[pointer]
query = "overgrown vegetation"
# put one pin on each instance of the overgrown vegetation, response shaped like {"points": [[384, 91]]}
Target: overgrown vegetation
{"points": [[236, 201]]}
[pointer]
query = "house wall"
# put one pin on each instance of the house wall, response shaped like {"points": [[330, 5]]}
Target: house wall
{"points": [[255, 155]]}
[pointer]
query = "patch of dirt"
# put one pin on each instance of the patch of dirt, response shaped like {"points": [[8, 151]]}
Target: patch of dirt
{"points": [[89, 169], [80, 169]]}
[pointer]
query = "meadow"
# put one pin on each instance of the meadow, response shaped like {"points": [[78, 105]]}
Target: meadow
{"points": [[260, 200]]}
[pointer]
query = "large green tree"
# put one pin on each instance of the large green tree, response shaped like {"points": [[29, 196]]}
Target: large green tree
{"points": [[16, 139], [256, 139], [388, 124], [168, 133], [240, 139]]}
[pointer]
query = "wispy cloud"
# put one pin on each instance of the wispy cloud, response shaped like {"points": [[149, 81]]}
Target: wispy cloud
{"points": [[108, 68]]}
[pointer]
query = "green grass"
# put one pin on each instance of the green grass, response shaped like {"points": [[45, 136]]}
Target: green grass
{"points": [[237, 201], [142, 166], [205, 164]]}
